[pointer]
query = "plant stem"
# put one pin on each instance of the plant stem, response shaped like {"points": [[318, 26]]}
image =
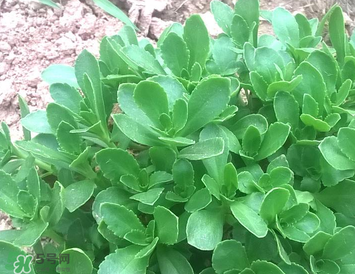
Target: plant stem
{"points": [[22, 155], [54, 236]]}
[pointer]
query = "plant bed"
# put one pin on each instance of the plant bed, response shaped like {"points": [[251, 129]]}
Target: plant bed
{"points": [[226, 155]]}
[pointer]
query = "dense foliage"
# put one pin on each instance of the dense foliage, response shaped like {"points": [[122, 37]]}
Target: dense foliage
{"points": [[227, 155]]}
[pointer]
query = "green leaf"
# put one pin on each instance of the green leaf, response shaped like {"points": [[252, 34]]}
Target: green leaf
{"points": [[310, 105], [345, 137], [340, 244], [33, 183], [113, 195], [332, 176], [111, 9], [273, 204], [57, 114], [183, 174], [175, 53], [282, 252], [339, 197], [229, 254], [280, 176], [199, 200], [124, 261], [248, 218], [77, 194], [312, 84], [129, 106], [239, 30], [149, 197], [115, 162], [197, 40], [46, 154], [286, 109], [37, 122], [120, 219], [78, 262], [179, 117], [212, 185], [24, 112], [326, 65], [259, 85], [267, 62], [304, 25], [293, 268], [262, 267], [56, 204], [142, 58], [8, 196], [287, 86], [167, 225], [205, 229], [316, 244], [67, 96], [274, 139], [332, 153], [159, 177], [172, 87], [256, 120], [230, 178], [203, 149], [251, 141], [177, 141], [326, 217], [224, 57], [207, 101], [9, 255], [249, 11], [69, 142], [137, 237], [50, 3], [27, 202], [148, 250], [172, 262], [162, 158], [337, 33], [343, 92], [317, 124], [63, 74], [152, 99], [223, 15], [215, 165], [87, 72], [325, 266], [136, 131], [128, 35], [31, 234], [285, 27]]}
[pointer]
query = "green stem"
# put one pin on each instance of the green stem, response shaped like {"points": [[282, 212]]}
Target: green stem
{"points": [[54, 236], [23, 155], [44, 175]]}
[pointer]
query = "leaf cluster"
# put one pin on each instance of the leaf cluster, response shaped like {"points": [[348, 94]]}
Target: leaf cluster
{"points": [[200, 155]]}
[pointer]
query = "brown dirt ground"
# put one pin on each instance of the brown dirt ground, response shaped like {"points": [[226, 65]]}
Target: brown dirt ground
{"points": [[33, 36]]}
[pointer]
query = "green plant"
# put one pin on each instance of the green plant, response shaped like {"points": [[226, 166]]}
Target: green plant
{"points": [[227, 155]]}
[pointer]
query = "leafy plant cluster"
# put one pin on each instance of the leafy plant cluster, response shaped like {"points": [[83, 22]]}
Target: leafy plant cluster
{"points": [[227, 155]]}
